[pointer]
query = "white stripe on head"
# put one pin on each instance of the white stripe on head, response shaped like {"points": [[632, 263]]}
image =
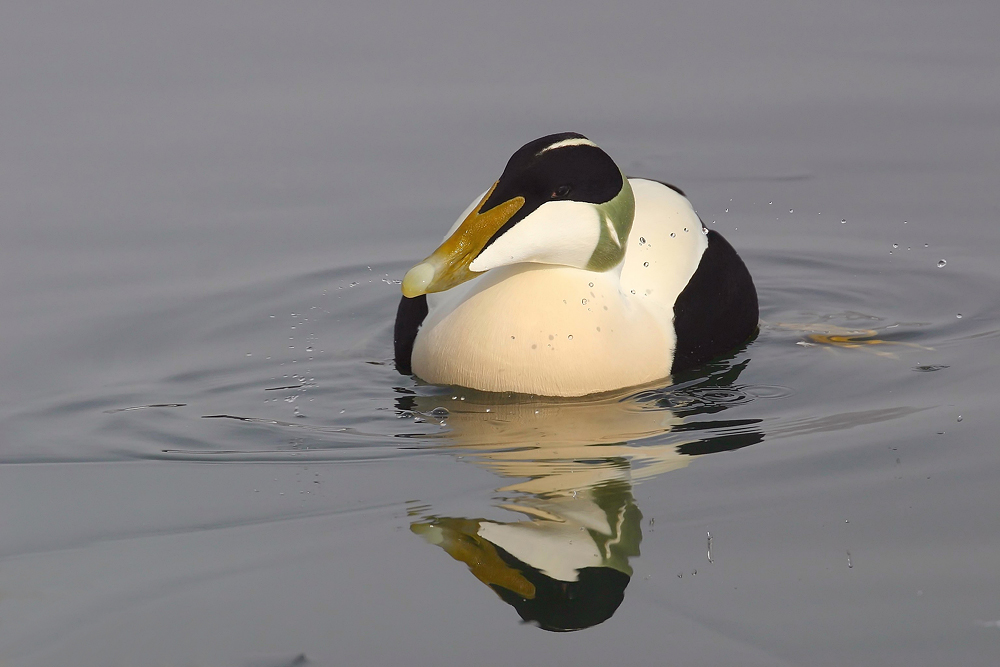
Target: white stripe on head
{"points": [[612, 232], [574, 141]]}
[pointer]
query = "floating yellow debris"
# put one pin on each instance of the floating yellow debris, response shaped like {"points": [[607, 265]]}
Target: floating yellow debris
{"points": [[837, 336]]}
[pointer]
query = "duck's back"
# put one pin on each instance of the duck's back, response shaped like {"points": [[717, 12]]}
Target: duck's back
{"points": [[712, 295]]}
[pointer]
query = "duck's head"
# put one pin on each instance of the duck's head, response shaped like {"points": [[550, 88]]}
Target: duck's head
{"points": [[560, 200]]}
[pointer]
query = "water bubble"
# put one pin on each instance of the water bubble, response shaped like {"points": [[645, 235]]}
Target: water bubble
{"points": [[927, 245], [791, 210], [569, 337], [727, 210], [591, 284], [440, 412], [705, 229], [685, 229], [895, 245], [770, 203], [672, 235], [641, 240], [583, 301], [645, 263], [941, 263], [633, 291], [843, 221], [959, 418], [958, 316]]}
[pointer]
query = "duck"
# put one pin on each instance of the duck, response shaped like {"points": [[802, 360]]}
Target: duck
{"points": [[567, 278]]}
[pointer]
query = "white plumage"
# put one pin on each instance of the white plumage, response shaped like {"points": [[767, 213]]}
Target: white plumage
{"points": [[564, 331]]}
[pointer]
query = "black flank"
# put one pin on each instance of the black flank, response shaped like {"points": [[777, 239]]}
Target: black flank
{"points": [[409, 316], [717, 311]]}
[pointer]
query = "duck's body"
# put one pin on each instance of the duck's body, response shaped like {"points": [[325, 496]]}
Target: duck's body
{"points": [[676, 296]]}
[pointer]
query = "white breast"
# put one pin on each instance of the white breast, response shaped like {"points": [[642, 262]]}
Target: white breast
{"points": [[562, 331]]}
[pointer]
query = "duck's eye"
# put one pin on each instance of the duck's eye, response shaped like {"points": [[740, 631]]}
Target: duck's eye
{"points": [[561, 191]]}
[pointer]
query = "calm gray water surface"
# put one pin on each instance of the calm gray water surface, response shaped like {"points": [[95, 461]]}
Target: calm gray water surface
{"points": [[207, 457]]}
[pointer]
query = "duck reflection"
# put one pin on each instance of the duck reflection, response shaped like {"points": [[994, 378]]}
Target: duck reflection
{"points": [[565, 567], [564, 564]]}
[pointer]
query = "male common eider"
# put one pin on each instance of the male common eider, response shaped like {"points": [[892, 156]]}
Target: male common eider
{"points": [[566, 278]]}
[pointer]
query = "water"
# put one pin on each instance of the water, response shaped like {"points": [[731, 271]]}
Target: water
{"points": [[207, 457]]}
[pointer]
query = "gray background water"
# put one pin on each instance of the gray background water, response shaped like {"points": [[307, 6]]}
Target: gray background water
{"points": [[200, 203]]}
